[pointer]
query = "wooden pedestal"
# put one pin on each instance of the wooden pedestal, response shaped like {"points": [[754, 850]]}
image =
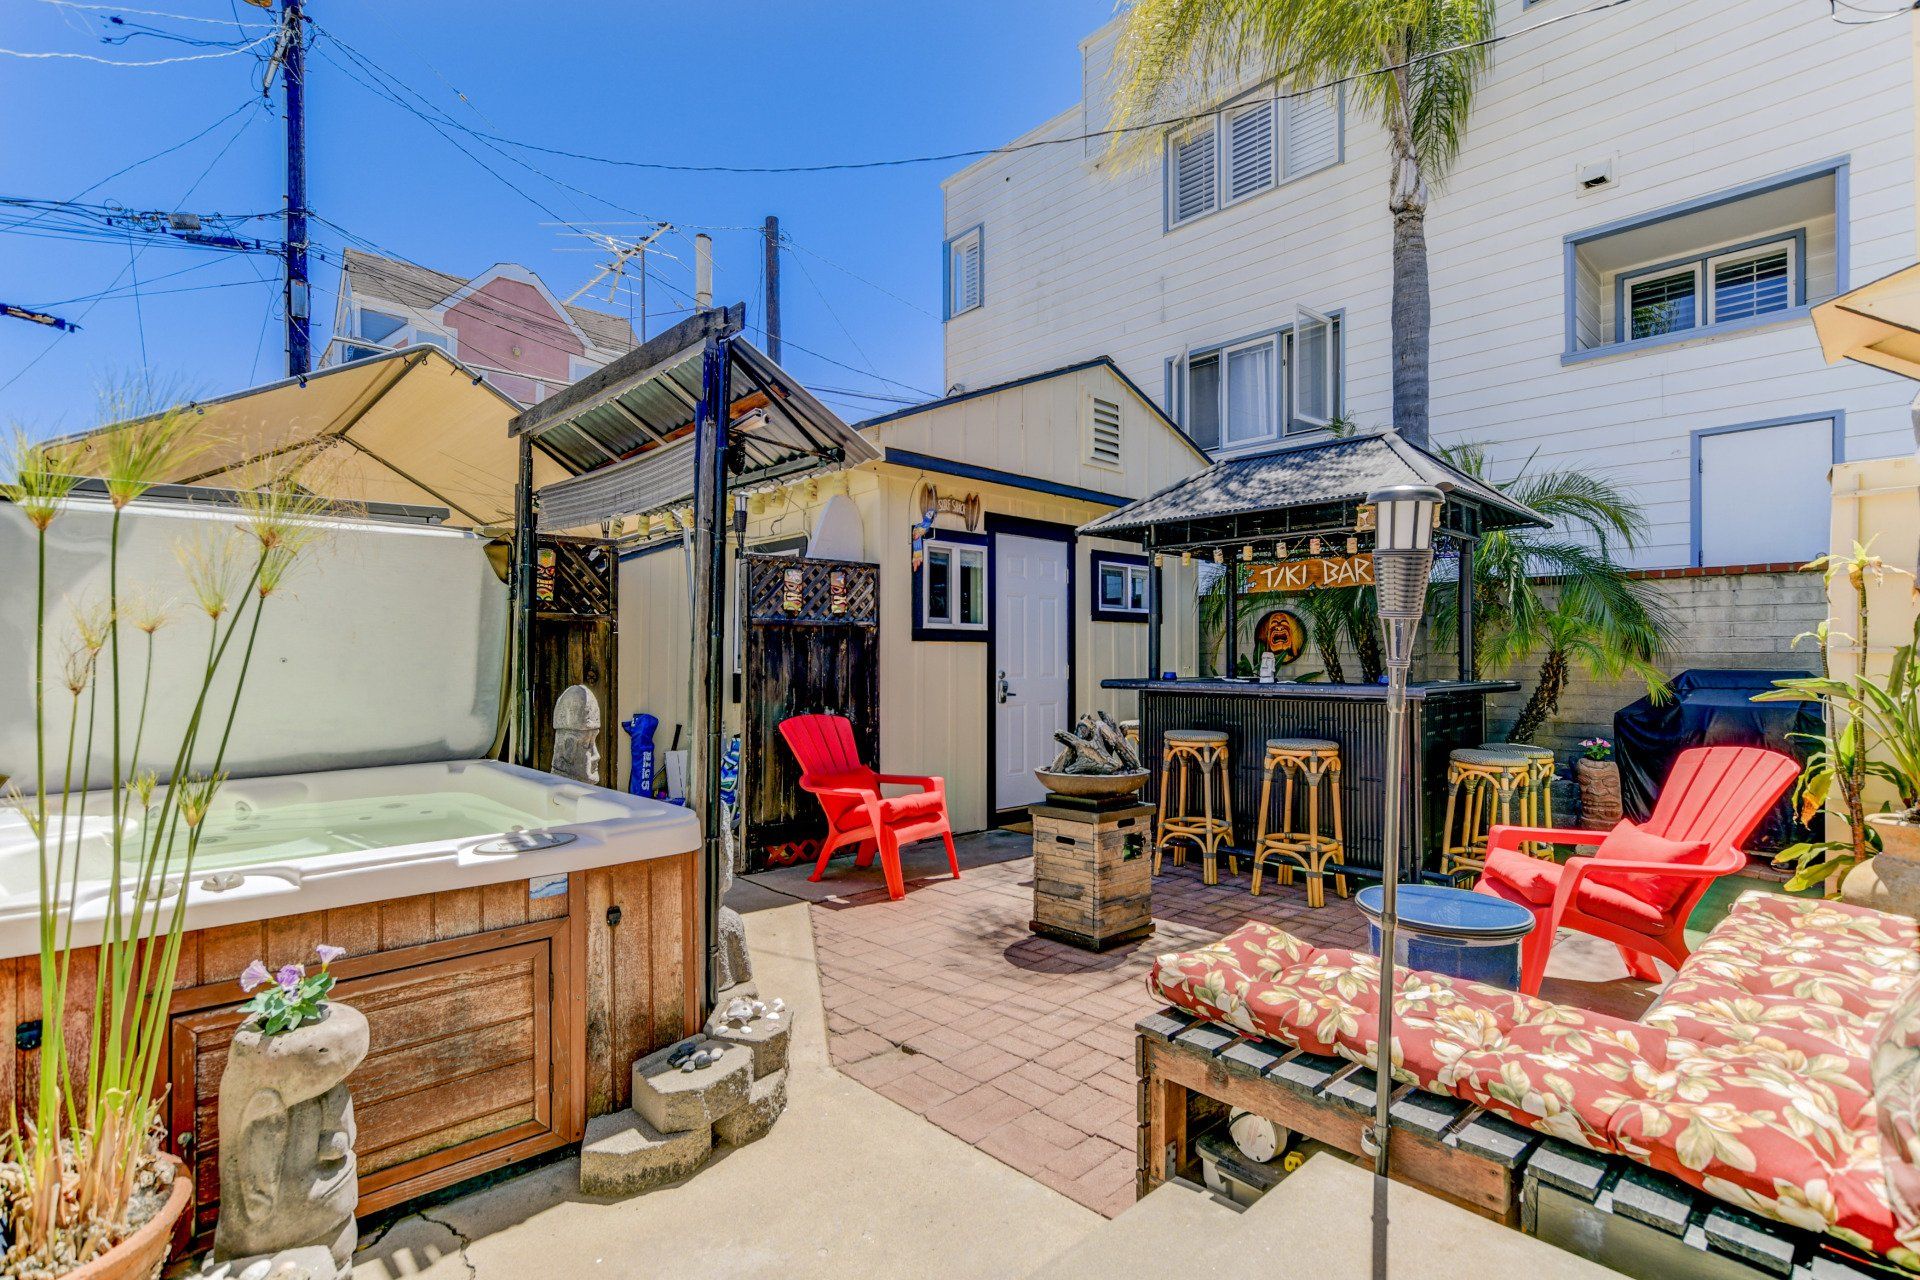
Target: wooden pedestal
{"points": [[1092, 874]]}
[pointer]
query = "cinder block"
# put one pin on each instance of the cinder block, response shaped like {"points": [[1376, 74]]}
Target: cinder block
{"points": [[749, 1123], [623, 1155], [675, 1101], [765, 1040]]}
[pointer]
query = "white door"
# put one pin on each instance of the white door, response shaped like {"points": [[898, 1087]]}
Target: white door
{"points": [[1764, 493], [1030, 682]]}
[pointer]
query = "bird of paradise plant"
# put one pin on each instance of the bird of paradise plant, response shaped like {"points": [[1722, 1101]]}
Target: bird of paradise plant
{"points": [[81, 1166]]}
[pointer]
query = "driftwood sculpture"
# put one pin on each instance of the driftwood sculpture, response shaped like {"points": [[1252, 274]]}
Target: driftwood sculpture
{"points": [[1096, 745]]}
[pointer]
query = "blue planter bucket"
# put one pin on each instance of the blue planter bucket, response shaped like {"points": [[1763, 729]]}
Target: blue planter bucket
{"points": [[1452, 931]]}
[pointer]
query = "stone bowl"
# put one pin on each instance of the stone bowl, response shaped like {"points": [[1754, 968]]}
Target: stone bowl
{"points": [[1092, 786]]}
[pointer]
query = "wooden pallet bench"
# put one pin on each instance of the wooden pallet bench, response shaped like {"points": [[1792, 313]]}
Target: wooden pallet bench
{"points": [[1192, 1071]]}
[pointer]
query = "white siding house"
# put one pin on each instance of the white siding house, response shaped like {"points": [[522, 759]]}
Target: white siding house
{"points": [[1648, 200]]}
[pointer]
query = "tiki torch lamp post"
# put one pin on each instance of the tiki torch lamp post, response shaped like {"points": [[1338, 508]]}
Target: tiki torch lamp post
{"points": [[1404, 517]]}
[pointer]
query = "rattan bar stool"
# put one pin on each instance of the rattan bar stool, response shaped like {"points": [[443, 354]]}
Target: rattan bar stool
{"points": [[1131, 728], [1205, 751], [1315, 760], [1477, 779], [1538, 810]]}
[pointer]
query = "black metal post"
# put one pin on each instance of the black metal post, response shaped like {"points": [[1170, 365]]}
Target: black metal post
{"points": [[771, 231], [1469, 665], [520, 589], [294, 246], [1233, 619], [709, 566], [1154, 619]]}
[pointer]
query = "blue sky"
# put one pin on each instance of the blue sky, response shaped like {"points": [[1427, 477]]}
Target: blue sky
{"points": [[744, 82]]}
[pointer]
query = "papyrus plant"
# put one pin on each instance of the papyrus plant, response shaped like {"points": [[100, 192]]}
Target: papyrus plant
{"points": [[82, 1165]]}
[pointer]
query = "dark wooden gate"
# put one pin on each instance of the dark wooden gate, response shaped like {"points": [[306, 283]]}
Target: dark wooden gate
{"points": [[575, 637], [813, 644]]}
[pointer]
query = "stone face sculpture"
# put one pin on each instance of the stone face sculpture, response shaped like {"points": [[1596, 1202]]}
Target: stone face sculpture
{"points": [[287, 1168], [736, 966], [576, 735]]}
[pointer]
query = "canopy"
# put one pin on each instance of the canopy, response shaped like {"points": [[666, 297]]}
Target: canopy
{"points": [[1311, 489], [413, 427], [1876, 324]]}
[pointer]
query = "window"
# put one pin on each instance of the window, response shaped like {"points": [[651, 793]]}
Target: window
{"points": [[1240, 394], [950, 587], [1103, 433], [1123, 585], [378, 326], [579, 367], [964, 268], [1724, 261], [1248, 148]]}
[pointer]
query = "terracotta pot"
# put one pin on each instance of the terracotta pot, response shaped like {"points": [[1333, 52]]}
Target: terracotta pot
{"points": [[1899, 838], [1599, 792], [141, 1255]]}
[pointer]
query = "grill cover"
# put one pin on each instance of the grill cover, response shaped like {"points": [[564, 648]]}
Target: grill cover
{"points": [[1710, 707]]}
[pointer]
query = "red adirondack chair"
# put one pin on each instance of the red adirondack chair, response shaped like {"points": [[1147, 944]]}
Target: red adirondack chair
{"points": [[857, 810], [1714, 796]]}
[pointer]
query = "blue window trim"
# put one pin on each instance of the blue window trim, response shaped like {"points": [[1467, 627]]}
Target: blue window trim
{"points": [[1098, 560], [946, 270], [1220, 202], [1838, 168], [1838, 417], [977, 635], [1797, 237], [1289, 433]]}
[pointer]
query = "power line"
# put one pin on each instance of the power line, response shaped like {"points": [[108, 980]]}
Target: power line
{"points": [[154, 13], [147, 62], [791, 243]]}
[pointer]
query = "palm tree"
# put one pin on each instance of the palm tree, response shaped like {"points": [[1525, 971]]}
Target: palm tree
{"points": [[1413, 64], [1542, 593]]}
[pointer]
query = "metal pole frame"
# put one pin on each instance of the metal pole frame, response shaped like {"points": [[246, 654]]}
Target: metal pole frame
{"points": [[520, 592], [1156, 616], [1469, 665], [297, 298], [711, 517]]}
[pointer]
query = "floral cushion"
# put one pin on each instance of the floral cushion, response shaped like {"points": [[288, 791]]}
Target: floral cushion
{"points": [[1779, 1071]]}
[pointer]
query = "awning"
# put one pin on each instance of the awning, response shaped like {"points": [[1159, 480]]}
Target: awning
{"points": [[412, 427], [1312, 489], [1876, 324], [629, 427]]}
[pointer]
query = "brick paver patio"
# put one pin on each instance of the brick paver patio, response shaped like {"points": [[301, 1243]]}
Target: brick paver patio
{"points": [[946, 1003]]}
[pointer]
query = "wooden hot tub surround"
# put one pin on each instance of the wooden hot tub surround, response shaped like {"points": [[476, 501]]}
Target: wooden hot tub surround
{"points": [[501, 1021]]}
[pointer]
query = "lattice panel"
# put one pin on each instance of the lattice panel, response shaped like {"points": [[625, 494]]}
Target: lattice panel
{"points": [[786, 589], [579, 580]]}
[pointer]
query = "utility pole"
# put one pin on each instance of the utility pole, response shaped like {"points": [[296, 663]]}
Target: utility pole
{"points": [[298, 305], [772, 233]]}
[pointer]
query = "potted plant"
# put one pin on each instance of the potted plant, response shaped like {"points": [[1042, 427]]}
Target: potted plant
{"points": [[287, 1168], [1872, 731], [1599, 776], [85, 1188]]}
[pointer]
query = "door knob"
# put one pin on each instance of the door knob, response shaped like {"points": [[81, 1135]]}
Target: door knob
{"points": [[1005, 692]]}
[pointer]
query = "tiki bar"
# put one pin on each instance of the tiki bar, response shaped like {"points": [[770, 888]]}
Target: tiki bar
{"points": [[1290, 523]]}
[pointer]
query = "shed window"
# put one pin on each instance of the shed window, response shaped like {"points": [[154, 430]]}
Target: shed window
{"points": [[1123, 585], [951, 589], [964, 272]]}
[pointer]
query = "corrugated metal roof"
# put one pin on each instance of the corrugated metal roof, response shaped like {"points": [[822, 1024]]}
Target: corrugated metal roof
{"points": [[628, 429], [1327, 475]]}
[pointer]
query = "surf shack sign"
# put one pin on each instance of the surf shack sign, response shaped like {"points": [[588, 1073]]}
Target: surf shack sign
{"points": [[1305, 575]]}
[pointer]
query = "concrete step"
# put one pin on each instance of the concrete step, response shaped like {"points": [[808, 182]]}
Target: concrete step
{"points": [[1155, 1237]]}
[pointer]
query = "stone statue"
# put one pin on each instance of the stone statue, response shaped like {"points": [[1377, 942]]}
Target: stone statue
{"points": [[287, 1169], [576, 735], [736, 966]]}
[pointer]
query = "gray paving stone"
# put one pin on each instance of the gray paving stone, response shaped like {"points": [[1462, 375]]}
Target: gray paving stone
{"points": [[623, 1155], [676, 1101], [765, 1101]]}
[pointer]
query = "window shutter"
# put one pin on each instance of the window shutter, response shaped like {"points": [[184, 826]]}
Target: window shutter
{"points": [[1192, 167], [1249, 151], [1313, 132], [1751, 287], [963, 266], [1103, 448], [1313, 368]]}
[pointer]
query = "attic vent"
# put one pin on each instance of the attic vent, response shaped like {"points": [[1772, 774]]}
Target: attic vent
{"points": [[1104, 449]]}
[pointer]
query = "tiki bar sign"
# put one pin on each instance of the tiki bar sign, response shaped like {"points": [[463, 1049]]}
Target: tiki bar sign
{"points": [[1304, 575]]}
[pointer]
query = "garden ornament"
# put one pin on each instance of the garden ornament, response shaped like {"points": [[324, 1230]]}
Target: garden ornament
{"points": [[576, 735]]}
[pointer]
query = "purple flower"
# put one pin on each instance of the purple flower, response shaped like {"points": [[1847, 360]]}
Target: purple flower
{"points": [[254, 975], [290, 975], [328, 954]]}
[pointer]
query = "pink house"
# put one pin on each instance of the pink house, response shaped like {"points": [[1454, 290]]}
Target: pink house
{"points": [[504, 323]]}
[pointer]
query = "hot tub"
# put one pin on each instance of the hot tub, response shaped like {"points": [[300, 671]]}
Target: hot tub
{"points": [[306, 842]]}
